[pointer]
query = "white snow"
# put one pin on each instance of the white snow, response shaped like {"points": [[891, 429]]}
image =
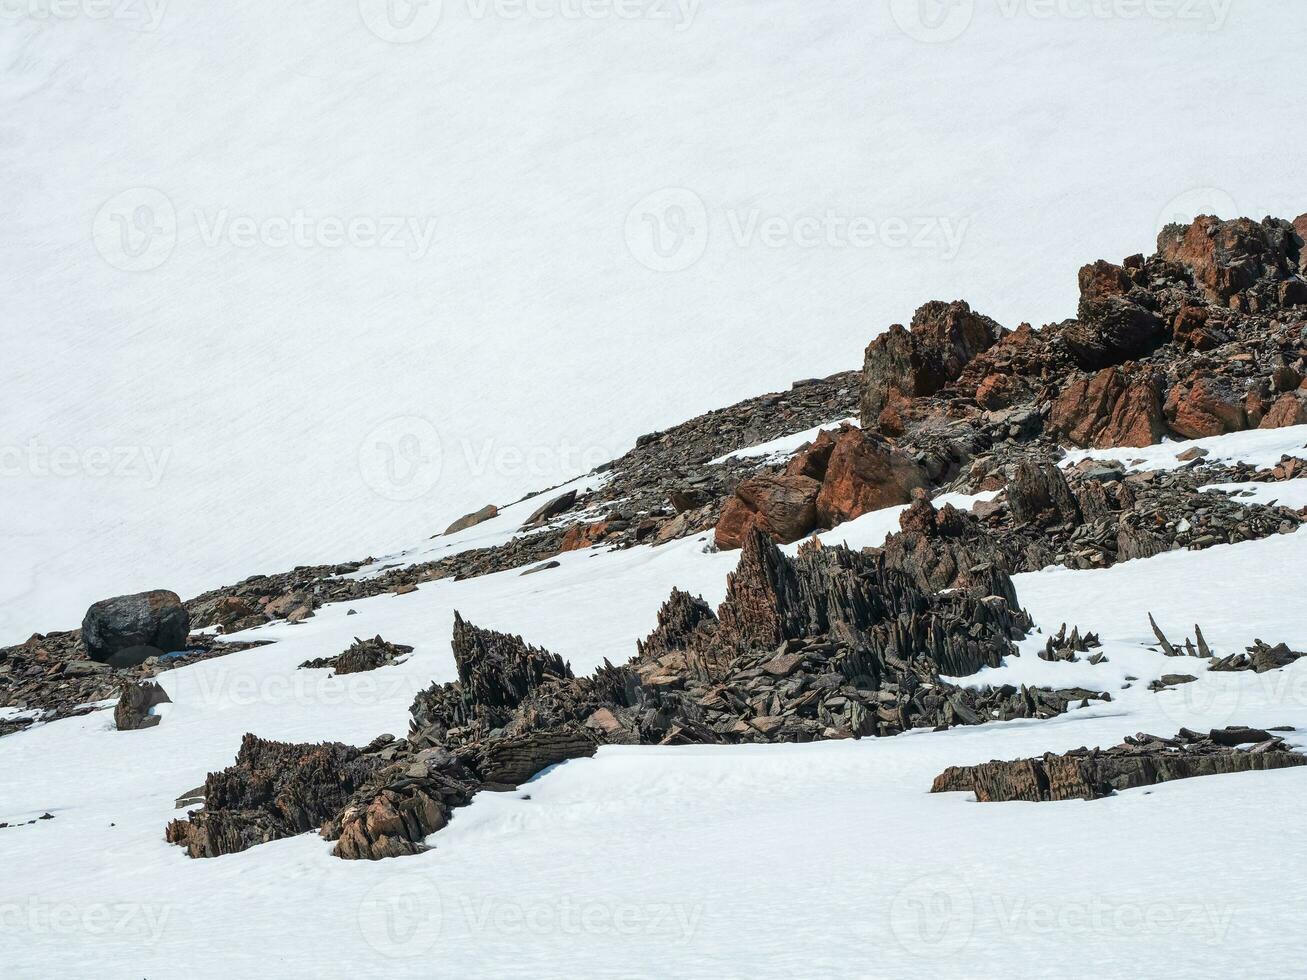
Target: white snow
{"points": [[778, 449], [1260, 447], [265, 403], [821, 860]]}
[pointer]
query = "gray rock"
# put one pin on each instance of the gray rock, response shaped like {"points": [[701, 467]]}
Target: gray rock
{"points": [[154, 619]]}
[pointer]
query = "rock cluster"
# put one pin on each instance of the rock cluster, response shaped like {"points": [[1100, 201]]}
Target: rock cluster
{"points": [[49, 677], [1260, 658], [844, 473], [829, 644], [1141, 760], [362, 655]]}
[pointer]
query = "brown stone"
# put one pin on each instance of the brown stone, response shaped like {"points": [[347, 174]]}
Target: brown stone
{"points": [[1205, 406], [1118, 406], [472, 520], [1227, 257], [783, 506], [943, 338], [865, 473], [1289, 409], [580, 536]]}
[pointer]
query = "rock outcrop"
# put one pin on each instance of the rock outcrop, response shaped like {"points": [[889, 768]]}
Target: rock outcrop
{"points": [[921, 360], [362, 655], [1118, 406], [829, 644], [1142, 760]]}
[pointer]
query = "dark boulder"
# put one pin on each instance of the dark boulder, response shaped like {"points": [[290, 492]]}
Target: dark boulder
{"points": [[149, 619]]}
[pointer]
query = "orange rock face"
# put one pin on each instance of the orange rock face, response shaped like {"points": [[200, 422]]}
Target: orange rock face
{"points": [[580, 536], [1118, 406], [865, 473], [1205, 407], [1289, 409], [782, 505]]}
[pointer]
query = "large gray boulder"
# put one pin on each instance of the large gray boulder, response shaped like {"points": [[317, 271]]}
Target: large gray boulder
{"points": [[148, 619]]}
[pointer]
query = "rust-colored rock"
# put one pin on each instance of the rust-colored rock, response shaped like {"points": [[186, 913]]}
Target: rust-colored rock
{"points": [[865, 473], [1118, 406], [580, 536], [943, 338], [1289, 409], [781, 505], [1227, 258], [1205, 406]]}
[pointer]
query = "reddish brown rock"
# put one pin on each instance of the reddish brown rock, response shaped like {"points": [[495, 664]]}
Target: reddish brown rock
{"points": [[1194, 330], [943, 338], [1289, 409], [1118, 406], [782, 505], [1103, 280], [1228, 257], [812, 460], [580, 536], [1205, 407], [865, 473]]}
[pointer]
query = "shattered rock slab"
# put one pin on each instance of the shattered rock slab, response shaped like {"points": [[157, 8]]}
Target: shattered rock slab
{"points": [[362, 655], [1141, 760]]}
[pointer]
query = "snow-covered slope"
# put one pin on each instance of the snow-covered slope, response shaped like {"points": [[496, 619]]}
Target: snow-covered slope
{"points": [[820, 860], [216, 363]]}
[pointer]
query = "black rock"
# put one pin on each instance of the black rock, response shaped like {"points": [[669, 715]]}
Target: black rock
{"points": [[148, 619]]}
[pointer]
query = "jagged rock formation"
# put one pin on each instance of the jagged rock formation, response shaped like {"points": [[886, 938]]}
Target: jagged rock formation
{"points": [[274, 790], [362, 655], [1142, 760], [1206, 335], [908, 363], [830, 644], [1260, 658]]}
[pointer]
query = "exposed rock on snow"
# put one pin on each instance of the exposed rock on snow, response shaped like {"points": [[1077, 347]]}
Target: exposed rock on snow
{"points": [[1141, 760], [830, 644], [362, 655], [133, 710]]}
